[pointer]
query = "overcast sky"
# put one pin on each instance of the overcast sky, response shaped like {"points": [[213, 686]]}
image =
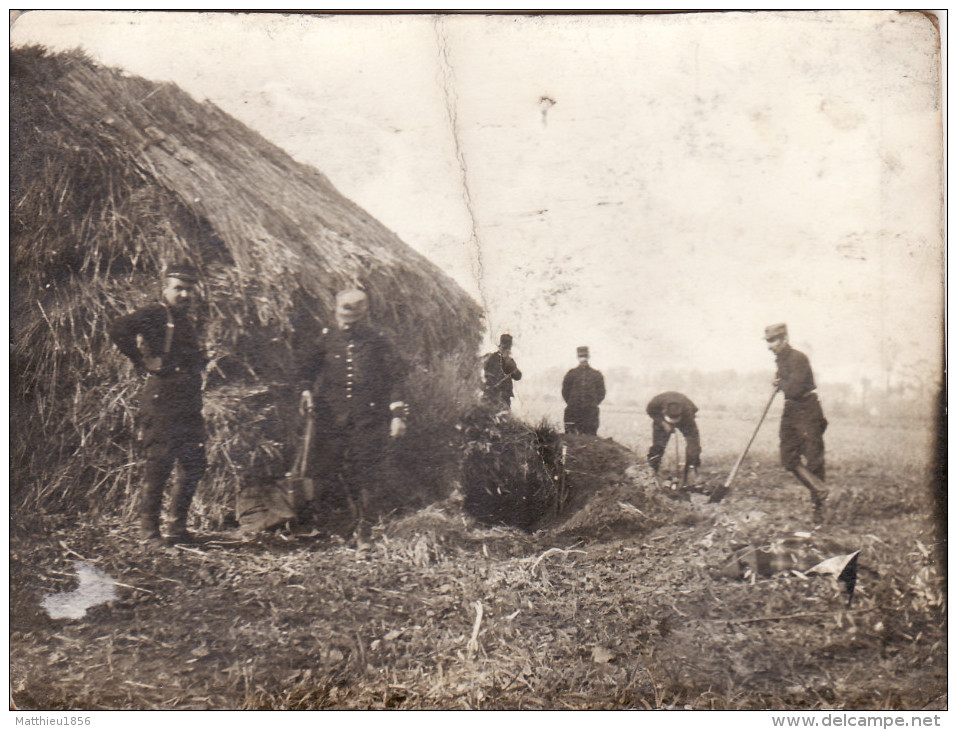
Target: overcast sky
{"points": [[657, 187]]}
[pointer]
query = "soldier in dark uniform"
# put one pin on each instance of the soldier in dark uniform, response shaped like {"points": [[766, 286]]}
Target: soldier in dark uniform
{"points": [[583, 388], [161, 341], [670, 411], [351, 379], [498, 372], [802, 422]]}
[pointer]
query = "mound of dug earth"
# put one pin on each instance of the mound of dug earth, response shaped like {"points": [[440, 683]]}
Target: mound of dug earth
{"points": [[608, 494], [611, 494]]}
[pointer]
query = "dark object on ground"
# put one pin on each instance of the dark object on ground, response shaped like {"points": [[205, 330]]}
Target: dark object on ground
{"points": [[848, 577], [263, 507]]}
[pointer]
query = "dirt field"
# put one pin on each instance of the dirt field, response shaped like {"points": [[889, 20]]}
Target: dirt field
{"points": [[634, 599]]}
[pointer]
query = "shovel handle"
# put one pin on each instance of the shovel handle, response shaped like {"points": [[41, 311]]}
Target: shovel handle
{"points": [[299, 469], [737, 464]]}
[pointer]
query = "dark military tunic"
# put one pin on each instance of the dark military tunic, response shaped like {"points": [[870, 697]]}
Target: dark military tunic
{"points": [[171, 401], [676, 405], [499, 370], [802, 422], [355, 374], [583, 388]]}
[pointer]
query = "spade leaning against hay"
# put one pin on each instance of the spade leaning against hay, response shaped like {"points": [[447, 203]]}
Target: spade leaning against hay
{"points": [[161, 342], [350, 381]]}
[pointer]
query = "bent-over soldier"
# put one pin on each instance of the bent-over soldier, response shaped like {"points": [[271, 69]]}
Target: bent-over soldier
{"points": [[351, 379], [669, 411], [161, 341], [583, 389], [802, 422], [498, 372]]}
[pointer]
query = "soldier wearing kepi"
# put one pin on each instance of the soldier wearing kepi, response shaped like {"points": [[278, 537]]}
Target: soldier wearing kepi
{"points": [[583, 388], [669, 411], [351, 379], [161, 341], [499, 370], [802, 423]]}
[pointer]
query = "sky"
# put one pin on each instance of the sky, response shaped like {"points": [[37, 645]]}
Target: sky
{"points": [[657, 187]]}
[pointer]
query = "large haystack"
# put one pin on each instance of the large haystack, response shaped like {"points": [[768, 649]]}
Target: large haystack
{"points": [[113, 177]]}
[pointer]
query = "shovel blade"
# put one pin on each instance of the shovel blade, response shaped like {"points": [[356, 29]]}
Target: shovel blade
{"points": [[719, 493], [302, 489]]}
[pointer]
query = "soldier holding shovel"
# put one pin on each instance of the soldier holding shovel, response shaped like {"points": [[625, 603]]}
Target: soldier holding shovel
{"points": [[669, 411], [802, 423], [350, 380]]}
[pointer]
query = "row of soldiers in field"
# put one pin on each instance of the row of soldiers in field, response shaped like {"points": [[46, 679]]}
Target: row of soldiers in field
{"points": [[583, 389], [350, 383]]}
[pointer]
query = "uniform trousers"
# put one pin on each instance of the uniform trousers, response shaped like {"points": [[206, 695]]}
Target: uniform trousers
{"points": [[581, 419], [350, 458], [802, 434], [173, 431], [660, 437]]}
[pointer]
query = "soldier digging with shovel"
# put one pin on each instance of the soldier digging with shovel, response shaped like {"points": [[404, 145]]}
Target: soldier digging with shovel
{"points": [[802, 422]]}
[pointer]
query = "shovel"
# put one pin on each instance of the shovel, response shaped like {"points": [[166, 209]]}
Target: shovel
{"points": [[299, 487], [722, 491], [264, 506]]}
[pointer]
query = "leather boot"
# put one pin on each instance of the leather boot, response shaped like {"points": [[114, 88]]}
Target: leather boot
{"points": [[182, 498], [149, 527], [818, 490], [178, 534], [690, 476], [151, 502], [177, 527]]}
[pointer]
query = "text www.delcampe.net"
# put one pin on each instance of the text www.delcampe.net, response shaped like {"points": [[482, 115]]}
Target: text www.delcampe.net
{"points": [[857, 721]]}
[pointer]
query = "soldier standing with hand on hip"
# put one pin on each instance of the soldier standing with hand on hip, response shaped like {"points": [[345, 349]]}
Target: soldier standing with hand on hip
{"points": [[351, 379], [802, 422], [161, 341]]}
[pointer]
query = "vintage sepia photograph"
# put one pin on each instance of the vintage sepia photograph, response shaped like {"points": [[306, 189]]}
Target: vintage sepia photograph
{"points": [[478, 361]]}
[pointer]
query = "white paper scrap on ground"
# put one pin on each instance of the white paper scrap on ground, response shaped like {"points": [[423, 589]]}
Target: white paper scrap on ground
{"points": [[95, 587]]}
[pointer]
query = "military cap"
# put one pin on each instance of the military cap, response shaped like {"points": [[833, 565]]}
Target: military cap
{"points": [[582, 351], [351, 299], [183, 270], [773, 331], [505, 341], [351, 306]]}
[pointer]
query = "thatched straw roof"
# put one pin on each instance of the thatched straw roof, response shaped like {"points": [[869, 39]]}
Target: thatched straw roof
{"points": [[112, 178], [271, 224]]}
